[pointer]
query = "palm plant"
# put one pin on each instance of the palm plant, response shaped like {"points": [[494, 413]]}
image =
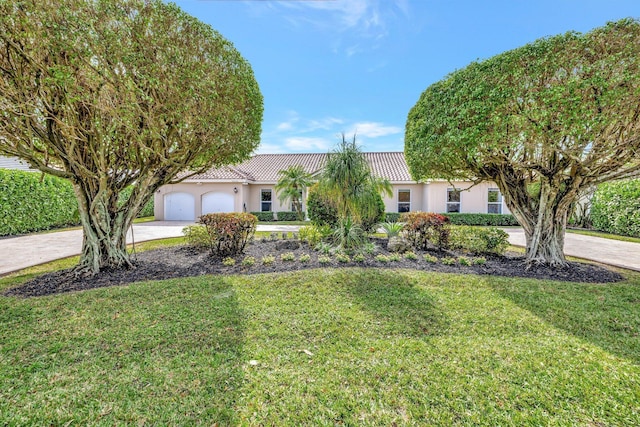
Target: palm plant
{"points": [[291, 183], [348, 181], [392, 229]]}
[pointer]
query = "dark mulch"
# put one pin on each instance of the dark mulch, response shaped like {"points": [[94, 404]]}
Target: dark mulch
{"points": [[183, 261]]}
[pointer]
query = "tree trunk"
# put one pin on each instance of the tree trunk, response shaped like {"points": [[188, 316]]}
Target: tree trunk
{"points": [[105, 231], [545, 242]]}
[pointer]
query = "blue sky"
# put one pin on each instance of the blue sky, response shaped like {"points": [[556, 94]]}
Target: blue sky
{"points": [[330, 66]]}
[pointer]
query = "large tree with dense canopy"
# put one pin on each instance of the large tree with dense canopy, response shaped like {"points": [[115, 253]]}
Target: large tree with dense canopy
{"points": [[545, 122], [112, 93]]}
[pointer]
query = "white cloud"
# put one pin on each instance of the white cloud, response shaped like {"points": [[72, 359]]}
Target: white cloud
{"points": [[301, 143], [374, 129], [326, 123]]}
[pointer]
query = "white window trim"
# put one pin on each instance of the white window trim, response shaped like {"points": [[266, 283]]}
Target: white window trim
{"points": [[262, 190], [451, 189], [398, 195], [498, 203]]}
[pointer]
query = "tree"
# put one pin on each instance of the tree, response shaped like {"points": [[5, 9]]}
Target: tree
{"points": [[347, 179], [291, 184], [114, 93], [545, 122]]}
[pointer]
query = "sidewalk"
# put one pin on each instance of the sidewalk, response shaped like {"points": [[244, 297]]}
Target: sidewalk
{"points": [[20, 252]]}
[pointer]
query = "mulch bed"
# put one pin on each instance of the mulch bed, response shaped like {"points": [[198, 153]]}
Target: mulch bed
{"points": [[184, 261]]}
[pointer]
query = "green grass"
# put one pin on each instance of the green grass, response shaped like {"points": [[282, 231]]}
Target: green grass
{"points": [[604, 235], [324, 347]]}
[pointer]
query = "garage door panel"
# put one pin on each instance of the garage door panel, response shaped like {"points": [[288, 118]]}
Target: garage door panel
{"points": [[179, 207], [217, 202]]}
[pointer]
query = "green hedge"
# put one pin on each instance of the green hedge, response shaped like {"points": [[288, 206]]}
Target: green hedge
{"points": [[392, 217], [263, 216], [615, 208], [147, 210], [32, 202], [287, 216], [495, 220]]}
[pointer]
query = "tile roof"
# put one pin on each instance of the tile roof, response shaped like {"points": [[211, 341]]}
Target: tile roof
{"points": [[265, 167]]}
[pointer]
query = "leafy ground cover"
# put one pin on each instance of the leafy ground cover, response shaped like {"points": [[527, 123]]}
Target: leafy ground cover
{"points": [[324, 346]]}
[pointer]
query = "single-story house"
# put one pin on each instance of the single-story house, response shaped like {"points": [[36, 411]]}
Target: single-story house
{"points": [[250, 187], [15, 164]]}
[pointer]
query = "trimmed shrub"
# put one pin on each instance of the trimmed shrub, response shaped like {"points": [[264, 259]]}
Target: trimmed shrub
{"points": [[321, 211], [392, 217], [370, 221], [287, 216], [478, 240], [422, 228], [197, 236], [313, 234], [392, 229], [482, 219], [229, 233], [263, 216], [615, 208], [30, 201]]}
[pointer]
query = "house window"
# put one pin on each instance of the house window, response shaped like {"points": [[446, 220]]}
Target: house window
{"points": [[453, 200], [494, 201], [265, 200], [404, 200]]}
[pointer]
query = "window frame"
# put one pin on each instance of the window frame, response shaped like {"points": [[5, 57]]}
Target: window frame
{"points": [[458, 203], [498, 203], [270, 202], [408, 204]]}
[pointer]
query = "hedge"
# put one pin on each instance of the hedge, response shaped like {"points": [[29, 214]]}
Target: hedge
{"points": [[392, 217], [31, 202], [147, 210], [482, 219], [287, 216], [615, 208], [263, 216]]}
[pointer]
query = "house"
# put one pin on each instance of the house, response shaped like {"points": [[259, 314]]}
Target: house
{"points": [[250, 187], [14, 163]]}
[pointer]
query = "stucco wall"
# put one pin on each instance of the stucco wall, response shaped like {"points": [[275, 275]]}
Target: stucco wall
{"points": [[197, 191], [472, 200], [417, 197]]}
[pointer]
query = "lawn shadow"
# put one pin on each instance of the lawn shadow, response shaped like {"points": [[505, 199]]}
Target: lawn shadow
{"points": [[605, 315], [394, 298]]}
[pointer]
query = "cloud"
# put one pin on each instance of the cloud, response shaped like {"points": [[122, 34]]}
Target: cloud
{"points": [[374, 129], [301, 143]]}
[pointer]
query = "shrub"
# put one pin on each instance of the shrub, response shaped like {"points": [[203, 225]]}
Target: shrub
{"points": [[423, 228], [304, 258], [392, 217], [313, 234], [479, 261], [323, 259], [411, 255], [30, 201], [430, 258], [615, 208], [395, 257], [392, 229], [321, 210], [482, 219], [288, 256], [343, 258], [448, 261], [229, 232], [464, 261], [197, 236], [229, 262], [324, 248], [368, 248], [268, 259], [263, 216], [371, 219], [288, 216], [248, 261], [359, 258], [478, 240], [382, 258], [348, 235]]}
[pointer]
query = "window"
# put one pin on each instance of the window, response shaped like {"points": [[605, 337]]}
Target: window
{"points": [[404, 200], [265, 200], [494, 201], [453, 200]]}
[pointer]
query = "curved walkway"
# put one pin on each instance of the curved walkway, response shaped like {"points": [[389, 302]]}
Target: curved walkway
{"points": [[21, 252]]}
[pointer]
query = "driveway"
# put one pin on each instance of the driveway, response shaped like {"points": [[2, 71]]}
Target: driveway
{"points": [[20, 252]]}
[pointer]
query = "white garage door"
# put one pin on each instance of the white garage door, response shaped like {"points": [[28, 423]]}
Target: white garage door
{"points": [[179, 207], [217, 202]]}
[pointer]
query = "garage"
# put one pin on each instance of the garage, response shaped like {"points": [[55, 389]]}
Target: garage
{"points": [[217, 202], [179, 207]]}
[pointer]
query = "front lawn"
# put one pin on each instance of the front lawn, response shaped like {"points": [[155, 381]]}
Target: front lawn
{"points": [[350, 346]]}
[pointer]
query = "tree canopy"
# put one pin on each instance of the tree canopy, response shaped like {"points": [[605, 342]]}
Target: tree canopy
{"points": [[112, 93], [545, 122]]}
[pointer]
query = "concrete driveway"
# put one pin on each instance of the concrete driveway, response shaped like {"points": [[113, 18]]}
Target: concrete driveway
{"points": [[20, 252]]}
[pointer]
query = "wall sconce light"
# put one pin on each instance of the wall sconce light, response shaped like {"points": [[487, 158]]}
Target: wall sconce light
{"points": [[235, 190]]}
